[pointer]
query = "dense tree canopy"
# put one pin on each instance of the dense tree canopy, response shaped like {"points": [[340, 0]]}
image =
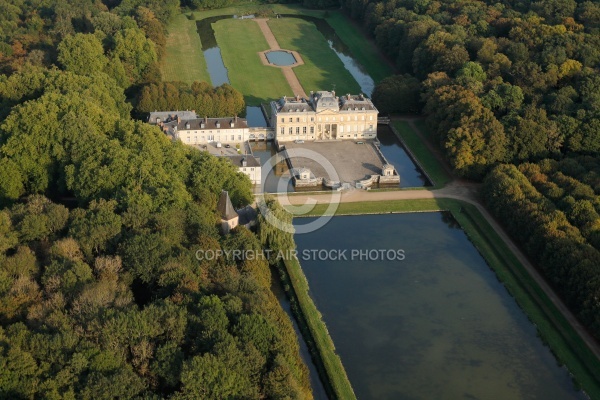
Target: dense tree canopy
{"points": [[532, 66], [102, 294], [221, 101], [552, 209]]}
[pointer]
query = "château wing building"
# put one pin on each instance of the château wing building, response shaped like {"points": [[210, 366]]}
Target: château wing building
{"points": [[324, 116]]}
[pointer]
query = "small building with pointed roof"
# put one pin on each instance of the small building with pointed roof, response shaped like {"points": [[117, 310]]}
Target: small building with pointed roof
{"points": [[229, 217]]}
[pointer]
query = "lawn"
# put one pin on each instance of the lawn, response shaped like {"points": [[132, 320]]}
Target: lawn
{"points": [[434, 169], [184, 60], [240, 41], [322, 69], [363, 50]]}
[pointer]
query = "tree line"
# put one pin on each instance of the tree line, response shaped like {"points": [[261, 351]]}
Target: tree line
{"points": [[550, 210], [221, 101], [499, 81]]}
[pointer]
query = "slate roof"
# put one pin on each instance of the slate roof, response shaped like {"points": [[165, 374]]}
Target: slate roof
{"points": [[168, 116], [211, 123], [225, 208], [251, 161], [323, 100]]}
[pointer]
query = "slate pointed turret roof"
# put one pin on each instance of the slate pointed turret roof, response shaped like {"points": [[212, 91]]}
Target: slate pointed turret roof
{"points": [[225, 208]]}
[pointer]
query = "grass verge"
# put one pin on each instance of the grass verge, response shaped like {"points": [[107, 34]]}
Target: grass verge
{"points": [[363, 50], [240, 41], [328, 363], [184, 60], [419, 150], [322, 69], [553, 328]]}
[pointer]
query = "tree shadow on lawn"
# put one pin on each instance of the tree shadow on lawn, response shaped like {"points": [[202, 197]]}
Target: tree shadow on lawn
{"points": [[334, 76]]}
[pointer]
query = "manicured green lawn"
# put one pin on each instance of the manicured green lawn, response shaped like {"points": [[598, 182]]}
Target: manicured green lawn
{"points": [[184, 60], [322, 69], [364, 51], [240, 41], [432, 166]]}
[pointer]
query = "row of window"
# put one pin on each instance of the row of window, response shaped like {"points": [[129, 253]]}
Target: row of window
{"points": [[211, 138], [312, 129], [291, 130], [312, 119]]}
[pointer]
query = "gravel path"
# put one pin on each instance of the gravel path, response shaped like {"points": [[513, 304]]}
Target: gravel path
{"points": [[288, 72]]}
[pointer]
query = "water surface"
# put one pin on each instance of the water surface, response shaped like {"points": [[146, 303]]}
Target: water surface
{"points": [[395, 153], [212, 52], [358, 72], [278, 180], [255, 117], [281, 58], [318, 390], [438, 325]]}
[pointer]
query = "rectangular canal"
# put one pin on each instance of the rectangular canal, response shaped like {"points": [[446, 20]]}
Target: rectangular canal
{"points": [[436, 325]]}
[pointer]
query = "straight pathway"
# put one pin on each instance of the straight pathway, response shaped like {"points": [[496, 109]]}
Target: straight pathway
{"points": [[288, 72]]}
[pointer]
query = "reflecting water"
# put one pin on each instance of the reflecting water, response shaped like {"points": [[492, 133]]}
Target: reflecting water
{"points": [[212, 52], [278, 180], [394, 152], [281, 58], [216, 68], [318, 390], [359, 72], [255, 117], [437, 325]]}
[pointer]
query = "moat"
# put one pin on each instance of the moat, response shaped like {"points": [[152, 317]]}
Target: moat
{"points": [[436, 325]]}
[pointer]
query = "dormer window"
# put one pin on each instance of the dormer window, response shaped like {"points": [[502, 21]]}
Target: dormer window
{"points": [[218, 124], [187, 125], [202, 125]]}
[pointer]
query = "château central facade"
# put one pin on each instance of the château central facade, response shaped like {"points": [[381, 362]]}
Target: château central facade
{"points": [[324, 116]]}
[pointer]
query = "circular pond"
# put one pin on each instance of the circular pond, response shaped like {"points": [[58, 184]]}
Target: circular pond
{"points": [[280, 58]]}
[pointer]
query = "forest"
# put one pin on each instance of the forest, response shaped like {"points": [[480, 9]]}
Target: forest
{"points": [[551, 208], [101, 293], [500, 82]]}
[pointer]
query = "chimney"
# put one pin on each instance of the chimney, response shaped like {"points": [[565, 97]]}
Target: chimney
{"points": [[178, 120], [297, 97], [333, 93], [205, 119], [236, 117]]}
